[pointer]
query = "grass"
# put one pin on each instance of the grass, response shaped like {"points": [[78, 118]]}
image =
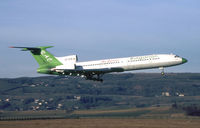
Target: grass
{"points": [[150, 117], [139, 113], [28, 115], [103, 123]]}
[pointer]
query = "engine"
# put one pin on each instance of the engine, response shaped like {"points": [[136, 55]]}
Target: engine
{"points": [[69, 62]]}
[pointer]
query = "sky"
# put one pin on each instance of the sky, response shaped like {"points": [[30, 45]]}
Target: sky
{"points": [[98, 29]]}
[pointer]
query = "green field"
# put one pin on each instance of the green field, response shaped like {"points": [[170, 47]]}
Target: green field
{"points": [[137, 113], [151, 117], [103, 123], [118, 91]]}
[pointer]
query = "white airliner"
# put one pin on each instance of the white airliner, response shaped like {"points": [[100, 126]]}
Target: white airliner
{"points": [[94, 70]]}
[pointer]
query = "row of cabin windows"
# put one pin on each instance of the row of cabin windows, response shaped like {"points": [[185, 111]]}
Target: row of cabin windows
{"points": [[101, 64]]}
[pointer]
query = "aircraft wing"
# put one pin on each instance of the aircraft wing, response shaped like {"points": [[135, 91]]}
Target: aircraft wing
{"points": [[88, 71], [85, 71]]}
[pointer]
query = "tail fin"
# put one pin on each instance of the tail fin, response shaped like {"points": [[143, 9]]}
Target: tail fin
{"points": [[42, 56]]}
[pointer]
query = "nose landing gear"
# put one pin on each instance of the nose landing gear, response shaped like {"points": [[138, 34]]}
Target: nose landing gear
{"points": [[162, 71]]}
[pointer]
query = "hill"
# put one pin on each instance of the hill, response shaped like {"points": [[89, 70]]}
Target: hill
{"points": [[117, 91]]}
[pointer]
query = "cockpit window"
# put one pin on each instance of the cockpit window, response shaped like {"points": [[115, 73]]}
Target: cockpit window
{"points": [[176, 56]]}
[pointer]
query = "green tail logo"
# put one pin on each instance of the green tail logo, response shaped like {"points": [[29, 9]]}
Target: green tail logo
{"points": [[45, 59]]}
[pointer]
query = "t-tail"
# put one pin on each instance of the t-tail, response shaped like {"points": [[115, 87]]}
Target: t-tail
{"points": [[45, 59]]}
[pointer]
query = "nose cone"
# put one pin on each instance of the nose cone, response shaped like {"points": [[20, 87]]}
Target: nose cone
{"points": [[184, 60]]}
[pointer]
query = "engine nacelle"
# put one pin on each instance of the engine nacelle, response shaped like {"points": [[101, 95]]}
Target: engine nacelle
{"points": [[69, 62], [68, 59], [66, 66]]}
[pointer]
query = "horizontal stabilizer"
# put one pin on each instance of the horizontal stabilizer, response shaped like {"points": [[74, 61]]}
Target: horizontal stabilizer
{"points": [[43, 57], [27, 48], [32, 48]]}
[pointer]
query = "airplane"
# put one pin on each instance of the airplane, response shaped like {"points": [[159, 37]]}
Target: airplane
{"points": [[94, 70]]}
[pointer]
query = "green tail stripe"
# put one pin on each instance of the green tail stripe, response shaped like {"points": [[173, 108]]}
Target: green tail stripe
{"points": [[43, 57]]}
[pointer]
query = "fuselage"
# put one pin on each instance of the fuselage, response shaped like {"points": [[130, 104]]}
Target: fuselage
{"points": [[131, 63]]}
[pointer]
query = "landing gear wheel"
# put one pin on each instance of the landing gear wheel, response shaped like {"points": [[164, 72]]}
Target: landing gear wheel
{"points": [[162, 71], [98, 78]]}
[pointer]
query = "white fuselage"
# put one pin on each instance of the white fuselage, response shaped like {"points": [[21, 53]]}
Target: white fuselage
{"points": [[127, 64]]}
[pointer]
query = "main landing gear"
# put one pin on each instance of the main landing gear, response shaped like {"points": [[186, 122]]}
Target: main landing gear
{"points": [[98, 78]]}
